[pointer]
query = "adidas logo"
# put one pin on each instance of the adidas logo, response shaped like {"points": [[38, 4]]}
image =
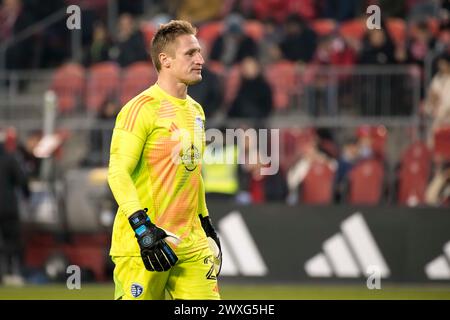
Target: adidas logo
{"points": [[439, 268], [348, 254], [240, 254]]}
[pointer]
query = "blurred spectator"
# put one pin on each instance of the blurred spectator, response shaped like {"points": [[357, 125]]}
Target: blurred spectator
{"points": [[420, 44], [129, 44], [300, 41], [98, 50], [31, 163], [349, 156], [13, 20], [269, 46], [254, 97], [296, 174], [254, 187], [334, 50], [437, 102], [377, 48], [233, 45], [438, 190], [208, 92], [11, 178]]}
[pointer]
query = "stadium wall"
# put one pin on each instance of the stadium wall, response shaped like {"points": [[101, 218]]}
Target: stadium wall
{"points": [[275, 242]]}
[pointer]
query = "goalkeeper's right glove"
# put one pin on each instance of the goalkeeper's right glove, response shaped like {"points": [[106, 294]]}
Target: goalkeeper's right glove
{"points": [[155, 252]]}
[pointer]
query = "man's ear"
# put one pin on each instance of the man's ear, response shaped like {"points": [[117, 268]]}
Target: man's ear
{"points": [[165, 60]]}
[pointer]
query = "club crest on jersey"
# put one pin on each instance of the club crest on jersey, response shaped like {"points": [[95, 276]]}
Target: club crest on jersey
{"points": [[190, 158], [199, 122], [136, 290]]}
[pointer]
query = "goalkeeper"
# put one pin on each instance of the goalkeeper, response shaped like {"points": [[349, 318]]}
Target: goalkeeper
{"points": [[163, 240]]}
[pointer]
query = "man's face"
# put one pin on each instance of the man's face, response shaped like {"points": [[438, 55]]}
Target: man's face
{"points": [[186, 61]]}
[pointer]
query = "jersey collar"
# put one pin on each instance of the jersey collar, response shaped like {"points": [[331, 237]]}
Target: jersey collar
{"points": [[174, 100]]}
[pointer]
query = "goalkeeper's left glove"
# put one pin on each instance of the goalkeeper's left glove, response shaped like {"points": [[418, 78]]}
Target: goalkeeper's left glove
{"points": [[213, 241]]}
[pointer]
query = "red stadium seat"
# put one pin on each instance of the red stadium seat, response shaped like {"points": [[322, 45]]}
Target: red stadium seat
{"points": [[396, 28], [317, 187], [366, 183], [417, 152], [442, 143], [208, 32], [148, 29], [103, 84], [354, 29], [136, 78], [413, 181], [323, 27], [378, 134], [68, 83], [415, 169], [254, 29], [282, 79]]}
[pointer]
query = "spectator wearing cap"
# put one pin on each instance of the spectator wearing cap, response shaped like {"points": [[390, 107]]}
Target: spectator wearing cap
{"points": [[233, 45]]}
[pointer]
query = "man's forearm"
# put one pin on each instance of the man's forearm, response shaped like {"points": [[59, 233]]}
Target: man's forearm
{"points": [[121, 184]]}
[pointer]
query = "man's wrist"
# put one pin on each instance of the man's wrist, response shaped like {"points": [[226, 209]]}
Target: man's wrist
{"points": [[139, 218], [208, 227]]}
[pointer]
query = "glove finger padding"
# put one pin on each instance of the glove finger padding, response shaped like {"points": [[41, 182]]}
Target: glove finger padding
{"points": [[146, 261], [151, 256], [168, 253], [163, 261]]}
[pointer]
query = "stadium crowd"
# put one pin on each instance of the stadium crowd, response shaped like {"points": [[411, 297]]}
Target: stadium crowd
{"points": [[250, 47]]}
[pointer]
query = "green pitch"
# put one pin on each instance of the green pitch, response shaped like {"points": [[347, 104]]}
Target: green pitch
{"points": [[241, 291]]}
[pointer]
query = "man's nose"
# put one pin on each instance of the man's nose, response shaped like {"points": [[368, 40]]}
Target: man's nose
{"points": [[199, 59]]}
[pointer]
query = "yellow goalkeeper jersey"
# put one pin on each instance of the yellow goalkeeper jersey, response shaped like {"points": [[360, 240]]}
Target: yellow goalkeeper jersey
{"points": [[155, 163]]}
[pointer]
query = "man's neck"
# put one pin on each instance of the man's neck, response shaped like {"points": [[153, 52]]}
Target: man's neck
{"points": [[172, 87]]}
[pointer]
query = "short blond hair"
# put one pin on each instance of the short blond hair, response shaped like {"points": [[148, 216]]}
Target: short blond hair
{"points": [[166, 35]]}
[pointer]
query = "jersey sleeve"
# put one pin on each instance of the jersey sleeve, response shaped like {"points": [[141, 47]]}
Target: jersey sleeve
{"points": [[133, 124]]}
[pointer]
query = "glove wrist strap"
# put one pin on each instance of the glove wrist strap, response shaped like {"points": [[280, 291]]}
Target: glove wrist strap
{"points": [[139, 218]]}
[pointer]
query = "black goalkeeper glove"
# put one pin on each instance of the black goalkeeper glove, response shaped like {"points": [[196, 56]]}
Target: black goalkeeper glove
{"points": [[213, 241], [155, 252]]}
